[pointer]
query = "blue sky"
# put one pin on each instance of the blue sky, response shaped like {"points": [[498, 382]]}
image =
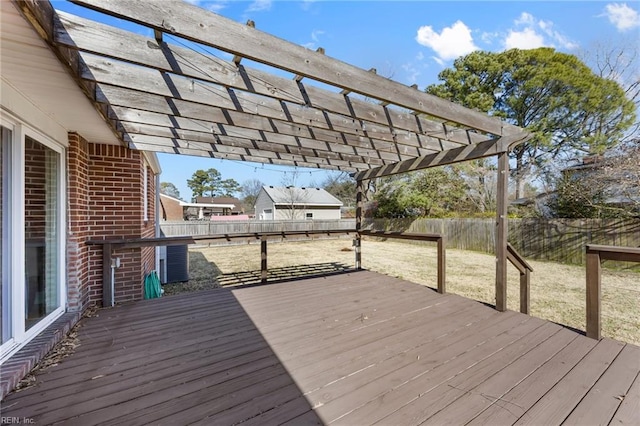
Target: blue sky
{"points": [[408, 41]]}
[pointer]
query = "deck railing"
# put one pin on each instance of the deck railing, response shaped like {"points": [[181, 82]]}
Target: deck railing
{"points": [[596, 254], [525, 277], [108, 246], [437, 238]]}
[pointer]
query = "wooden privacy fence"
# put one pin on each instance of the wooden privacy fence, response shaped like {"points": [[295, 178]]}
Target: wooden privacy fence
{"points": [[557, 240], [200, 228]]}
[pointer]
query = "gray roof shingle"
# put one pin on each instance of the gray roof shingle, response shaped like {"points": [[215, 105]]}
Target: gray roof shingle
{"points": [[301, 196]]}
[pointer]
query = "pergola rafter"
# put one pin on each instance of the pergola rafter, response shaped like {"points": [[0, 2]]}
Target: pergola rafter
{"points": [[353, 115], [231, 111], [192, 23], [162, 94]]}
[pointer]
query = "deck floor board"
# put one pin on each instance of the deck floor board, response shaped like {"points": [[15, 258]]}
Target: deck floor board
{"points": [[352, 348]]}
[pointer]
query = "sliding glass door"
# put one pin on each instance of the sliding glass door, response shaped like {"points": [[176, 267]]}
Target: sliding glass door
{"points": [[41, 231], [5, 232], [33, 240]]}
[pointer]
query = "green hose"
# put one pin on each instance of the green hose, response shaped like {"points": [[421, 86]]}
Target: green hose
{"points": [[152, 287]]}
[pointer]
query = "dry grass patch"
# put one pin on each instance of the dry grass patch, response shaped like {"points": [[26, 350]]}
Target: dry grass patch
{"points": [[557, 291]]}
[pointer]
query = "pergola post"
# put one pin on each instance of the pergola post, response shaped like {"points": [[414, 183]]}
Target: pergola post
{"points": [[263, 260], [359, 206], [501, 232]]}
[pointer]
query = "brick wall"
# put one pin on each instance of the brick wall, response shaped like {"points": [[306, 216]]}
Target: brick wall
{"points": [[34, 191], [170, 209], [106, 202], [77, 231]]}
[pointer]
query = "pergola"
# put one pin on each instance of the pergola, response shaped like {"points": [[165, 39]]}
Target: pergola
{"points": [[172, 93]]}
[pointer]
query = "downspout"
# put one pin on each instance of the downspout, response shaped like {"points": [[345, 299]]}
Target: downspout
{"points": [[157, 219]]}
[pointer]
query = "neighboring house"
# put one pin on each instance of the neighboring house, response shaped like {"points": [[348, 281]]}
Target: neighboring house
{"points": [[66, 180], [615, 181], [175, 209], [292, 203], [221, 206], [617, 178], [171, 208]]}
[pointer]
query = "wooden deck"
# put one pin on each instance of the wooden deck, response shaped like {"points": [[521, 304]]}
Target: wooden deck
{"points": [[351, 349]]}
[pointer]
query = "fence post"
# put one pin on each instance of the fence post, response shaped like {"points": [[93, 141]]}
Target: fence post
{"points": [[263, 262], [593, 293], [442, 265]]}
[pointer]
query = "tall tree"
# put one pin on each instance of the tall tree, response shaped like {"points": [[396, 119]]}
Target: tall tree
{"points": [[480, 179], [168, 188], [249, 192], [618, 61], [205, 182], [342, 186], [569, 109], [427, 193], [294, 198], [228, 187]]}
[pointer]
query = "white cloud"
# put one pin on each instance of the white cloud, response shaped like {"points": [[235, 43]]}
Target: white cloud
{"points": [[315, 35], [216, 6], [488, 37], [622, 16], [315, 39], [525, 39], [525, 19], [452, 42], [412, 72], [213, 6], [259, 6], [439, 61], [306, 4], [531, 33]]}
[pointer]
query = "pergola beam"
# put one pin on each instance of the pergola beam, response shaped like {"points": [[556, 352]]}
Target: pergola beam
{"points": [[192, 23], [456, 155]]}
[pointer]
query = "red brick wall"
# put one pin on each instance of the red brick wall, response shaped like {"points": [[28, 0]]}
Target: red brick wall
{"points": [[170, 209], [106, 202], [77, 217], [35, 194]]}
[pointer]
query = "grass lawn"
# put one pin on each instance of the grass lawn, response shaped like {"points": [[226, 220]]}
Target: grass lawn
{"points": [[557, 291]]}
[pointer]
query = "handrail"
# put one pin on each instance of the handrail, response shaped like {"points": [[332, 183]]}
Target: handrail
{"points": [[595, 254], [525, 277], [109, 245], [168, 241], [437, 238]]}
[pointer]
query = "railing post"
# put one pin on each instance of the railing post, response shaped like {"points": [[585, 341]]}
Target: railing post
{"points": [[107, 284], [263, 257], [358, 240], [525, 283], [442, 265], [593, 294]]}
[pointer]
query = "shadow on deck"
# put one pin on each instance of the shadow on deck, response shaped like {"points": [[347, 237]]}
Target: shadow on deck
{"points": [[353, 348]]}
